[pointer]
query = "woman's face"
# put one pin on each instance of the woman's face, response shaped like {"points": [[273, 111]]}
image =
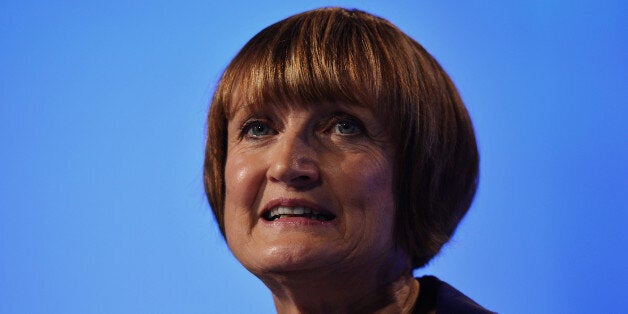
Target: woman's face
{"points": [[308, 188]]}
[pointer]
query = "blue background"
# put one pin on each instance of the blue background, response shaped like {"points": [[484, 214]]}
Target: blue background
{"points": [[102, 110]]}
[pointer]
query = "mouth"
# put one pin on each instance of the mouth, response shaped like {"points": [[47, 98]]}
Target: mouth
{"points": [[281, 212]]}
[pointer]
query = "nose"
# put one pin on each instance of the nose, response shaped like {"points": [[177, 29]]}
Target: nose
{"points": [[294, 164]]}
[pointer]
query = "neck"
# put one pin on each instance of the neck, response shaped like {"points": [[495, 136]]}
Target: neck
{"points": [[358, 289]]}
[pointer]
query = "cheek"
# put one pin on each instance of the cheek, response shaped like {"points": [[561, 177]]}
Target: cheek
{"points": [[243, 181], [368, 199], [364, 187], [370, 183], [240, 178]]}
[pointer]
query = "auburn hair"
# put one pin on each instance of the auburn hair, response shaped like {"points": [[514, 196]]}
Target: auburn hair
{"points": [[350, 56]]}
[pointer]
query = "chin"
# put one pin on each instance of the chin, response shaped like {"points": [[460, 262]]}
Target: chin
{"points": [[290, 257]]}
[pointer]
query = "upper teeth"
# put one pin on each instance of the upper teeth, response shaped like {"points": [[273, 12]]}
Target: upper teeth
{"points": [[285, 210]]}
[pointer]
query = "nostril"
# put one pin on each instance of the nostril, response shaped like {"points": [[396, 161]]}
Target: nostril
{"points": [[294, 165], [303, 178]]}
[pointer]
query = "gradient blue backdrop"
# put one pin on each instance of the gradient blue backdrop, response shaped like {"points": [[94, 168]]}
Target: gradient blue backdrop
{"points": [[102, 109]]}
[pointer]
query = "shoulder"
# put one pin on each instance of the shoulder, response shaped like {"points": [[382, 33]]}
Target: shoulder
{"points": [[437, 296]]}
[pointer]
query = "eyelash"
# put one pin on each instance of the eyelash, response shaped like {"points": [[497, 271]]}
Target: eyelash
{"points": [[340, 118], [249, 125], [327, 127]]}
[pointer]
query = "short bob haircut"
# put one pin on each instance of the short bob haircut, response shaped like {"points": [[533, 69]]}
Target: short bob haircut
{"points": [[348, 56]]}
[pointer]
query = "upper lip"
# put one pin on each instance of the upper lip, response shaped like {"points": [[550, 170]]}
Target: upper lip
{"points": [[293, 202]]}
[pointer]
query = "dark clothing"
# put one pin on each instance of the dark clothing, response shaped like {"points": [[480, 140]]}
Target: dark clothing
{"points": [[440, 296]]}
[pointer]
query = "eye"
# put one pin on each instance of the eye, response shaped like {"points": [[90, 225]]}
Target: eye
{"points": [[346, 127], [256, 128]]}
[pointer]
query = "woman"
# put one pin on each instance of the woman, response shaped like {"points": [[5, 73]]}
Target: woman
{"points": [[339, 158]]}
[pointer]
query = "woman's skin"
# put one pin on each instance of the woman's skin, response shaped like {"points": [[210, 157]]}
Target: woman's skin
{"points": [[328, 170]]}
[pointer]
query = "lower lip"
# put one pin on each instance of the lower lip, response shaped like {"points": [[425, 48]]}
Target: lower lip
{"points": [[298, 222]]}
